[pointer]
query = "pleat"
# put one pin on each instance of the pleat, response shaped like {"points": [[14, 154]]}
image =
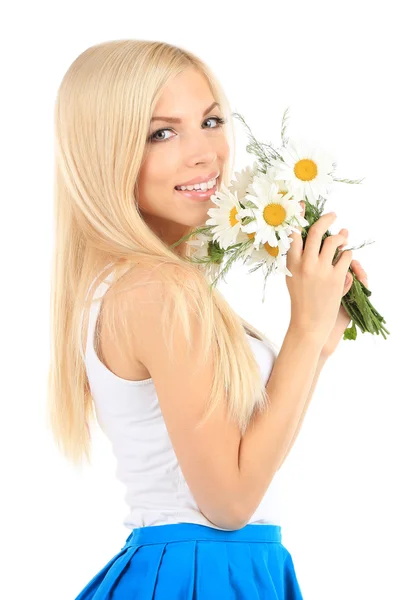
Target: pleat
{"points": [[103, 581], [177, 571], [230, 571], [291, 585]]}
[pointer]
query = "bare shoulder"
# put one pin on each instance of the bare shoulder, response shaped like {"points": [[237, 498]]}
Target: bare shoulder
{"points": [[111, 350], [144, 286], [128, 305]]}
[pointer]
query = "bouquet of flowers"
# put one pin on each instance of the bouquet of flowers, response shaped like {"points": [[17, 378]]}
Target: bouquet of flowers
{"points": [[257, 213]]}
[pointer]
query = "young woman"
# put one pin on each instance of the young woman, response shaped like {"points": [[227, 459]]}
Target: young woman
{"points": [[199, 406]]}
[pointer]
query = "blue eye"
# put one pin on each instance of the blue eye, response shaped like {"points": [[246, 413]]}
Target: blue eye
{"points": [[152, 137]]}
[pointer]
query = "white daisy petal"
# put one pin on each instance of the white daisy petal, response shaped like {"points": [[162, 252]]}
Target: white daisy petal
{"points": [[299, 151]]}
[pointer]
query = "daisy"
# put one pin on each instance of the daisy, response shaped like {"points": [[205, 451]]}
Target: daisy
{"points": [[274, 215], [261, 183], [268, 257], [307, 171], [243, 180], [225, 225]]}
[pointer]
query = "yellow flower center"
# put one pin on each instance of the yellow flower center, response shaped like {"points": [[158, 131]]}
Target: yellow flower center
{"points": [[232, 216], [305, 169], [272, 250], [274, 214]]}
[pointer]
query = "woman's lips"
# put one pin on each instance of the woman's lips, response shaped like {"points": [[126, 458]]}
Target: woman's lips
{"points": [[199, 195]]}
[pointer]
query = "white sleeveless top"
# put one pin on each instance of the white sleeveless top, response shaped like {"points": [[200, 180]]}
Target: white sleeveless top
{"points": [[129, 414]]}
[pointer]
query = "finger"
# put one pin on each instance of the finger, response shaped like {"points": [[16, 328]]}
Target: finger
{"points": [[315, 234], [348, 284], [343, 264], [345, 233], [359, 272], [347, 287], [296, 247]]}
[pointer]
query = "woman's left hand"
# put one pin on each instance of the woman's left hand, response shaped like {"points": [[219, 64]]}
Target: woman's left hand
{"points": [[343, 318]]}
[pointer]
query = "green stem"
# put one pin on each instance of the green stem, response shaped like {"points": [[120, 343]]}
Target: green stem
{"points": [[362, 312]]}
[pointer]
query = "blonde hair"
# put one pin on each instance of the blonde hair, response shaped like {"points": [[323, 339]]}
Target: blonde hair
{"points": [[102, 118]]}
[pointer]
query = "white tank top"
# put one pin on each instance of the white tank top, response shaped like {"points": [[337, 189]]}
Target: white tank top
{"points": [[129, 414]]}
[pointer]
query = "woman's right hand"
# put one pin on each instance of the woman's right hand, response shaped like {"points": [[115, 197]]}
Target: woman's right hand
{"points": [[316, 286]]}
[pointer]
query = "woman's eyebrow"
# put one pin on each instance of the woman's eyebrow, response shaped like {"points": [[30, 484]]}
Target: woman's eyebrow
{"points": [[176, 120]]}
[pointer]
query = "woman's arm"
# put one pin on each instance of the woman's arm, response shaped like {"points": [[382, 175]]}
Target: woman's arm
{"points": [[269, 436], [321, 363]]}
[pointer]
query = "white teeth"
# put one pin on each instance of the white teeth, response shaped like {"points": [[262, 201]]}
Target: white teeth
{"points": [[199, 186]]}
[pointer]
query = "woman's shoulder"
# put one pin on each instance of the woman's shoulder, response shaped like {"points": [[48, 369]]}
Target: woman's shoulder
{"points": [[115, 324]]}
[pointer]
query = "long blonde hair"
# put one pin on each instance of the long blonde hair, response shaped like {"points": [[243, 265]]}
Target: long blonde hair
{"points": [[102, 117]]}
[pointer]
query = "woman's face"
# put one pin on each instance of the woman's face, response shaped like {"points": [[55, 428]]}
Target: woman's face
{"points": [[179, 152]]}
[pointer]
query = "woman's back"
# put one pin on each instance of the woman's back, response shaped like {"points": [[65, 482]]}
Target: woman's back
{"points": [[130, 415]]}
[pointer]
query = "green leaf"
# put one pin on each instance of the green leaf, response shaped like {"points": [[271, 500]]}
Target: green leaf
{"points": [[350, 333]]}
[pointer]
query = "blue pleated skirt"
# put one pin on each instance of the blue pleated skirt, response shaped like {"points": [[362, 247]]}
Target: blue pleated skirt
{"points": [[188, 561]]}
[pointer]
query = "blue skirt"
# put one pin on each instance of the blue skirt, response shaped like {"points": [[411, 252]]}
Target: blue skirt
{"points": [[188, 561]]}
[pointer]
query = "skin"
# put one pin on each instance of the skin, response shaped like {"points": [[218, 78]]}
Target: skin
{"points": [[180, 152]]}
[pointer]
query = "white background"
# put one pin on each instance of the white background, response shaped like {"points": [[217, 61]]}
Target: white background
{"points": [[345, 71]]}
